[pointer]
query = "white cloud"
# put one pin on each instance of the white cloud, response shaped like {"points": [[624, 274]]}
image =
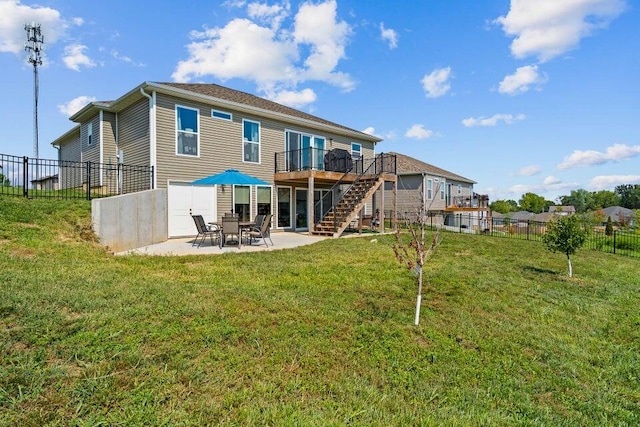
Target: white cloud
{"points": [[77, 21], [529, 170], [75, 105], [436, 83], [13, 16], [272, 15], [125, 58], [614, 153], [544, 187], [551, 180], [548, 28], [272, 57], [74, 57], [520, 81], [493, 120], [418, 131], [295, 99], [605, 182], [391, 36], [370, 131], [316, 25]]}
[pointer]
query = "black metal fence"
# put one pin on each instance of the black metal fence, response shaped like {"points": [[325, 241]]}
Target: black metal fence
{"points": [[63, 179], [620, 241]]}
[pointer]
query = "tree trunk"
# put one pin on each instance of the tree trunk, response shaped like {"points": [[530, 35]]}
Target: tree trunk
{"points": [[570, 270], [419, 298]]}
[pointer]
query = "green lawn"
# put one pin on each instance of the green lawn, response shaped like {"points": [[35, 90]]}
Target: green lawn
{"points": [[318, 335]]}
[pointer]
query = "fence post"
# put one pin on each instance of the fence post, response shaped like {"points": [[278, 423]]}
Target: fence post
{"points": [[25, 175], [615, 233], [88, 180]]}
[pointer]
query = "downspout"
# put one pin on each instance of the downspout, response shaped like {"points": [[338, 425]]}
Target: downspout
{"points": [[100, 129], [152, 135]]}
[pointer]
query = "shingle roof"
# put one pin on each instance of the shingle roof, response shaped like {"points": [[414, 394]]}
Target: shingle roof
{"points": [[408, 165], [616, 212], [236, 96]]}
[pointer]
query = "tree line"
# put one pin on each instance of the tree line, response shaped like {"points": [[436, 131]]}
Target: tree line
{"points": [[627, 196]]}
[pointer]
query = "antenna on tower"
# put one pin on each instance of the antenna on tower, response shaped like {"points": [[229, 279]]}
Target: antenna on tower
{"points": [[34, 47]]}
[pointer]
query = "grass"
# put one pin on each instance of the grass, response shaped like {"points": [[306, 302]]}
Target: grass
{"points": [[318, 335]]}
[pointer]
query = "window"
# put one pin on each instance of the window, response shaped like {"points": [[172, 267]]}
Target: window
{"points": [[304, 151], [89, 133], [356, 150], [459, 188], [264, 200], [187, 137], [242, 202], [221, 115], [442, 188], [429, 189], [251, 141], [284, 207]]}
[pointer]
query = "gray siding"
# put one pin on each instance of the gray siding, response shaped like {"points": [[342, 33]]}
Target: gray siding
{"points": [[410, 193], [70, 175], [221, 143], [133, 133]]}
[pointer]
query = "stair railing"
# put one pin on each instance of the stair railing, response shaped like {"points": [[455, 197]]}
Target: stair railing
{"points": [[382, 163]]}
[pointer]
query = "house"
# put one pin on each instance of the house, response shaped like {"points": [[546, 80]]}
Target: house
{"points": [[620, 216], [190, 131], [562, 210], [446, 197], [49, 182]]}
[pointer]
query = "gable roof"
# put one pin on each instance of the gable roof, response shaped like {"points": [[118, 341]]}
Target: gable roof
{"points": [[221, 97], [617, 212], [406, 165], [564, 209]]}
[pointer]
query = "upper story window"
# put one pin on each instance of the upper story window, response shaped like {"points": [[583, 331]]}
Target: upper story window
{"points": [[429, 189], [187, 136], [459, 188], [221, 115], [250, 141], [356, 150], [89, 133], [442, 189]]}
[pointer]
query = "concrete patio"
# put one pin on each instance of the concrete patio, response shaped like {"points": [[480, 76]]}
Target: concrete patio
{"points": [[184, 246]]}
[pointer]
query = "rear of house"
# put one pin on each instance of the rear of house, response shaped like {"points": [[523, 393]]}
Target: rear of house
{"points": [[189, 131]]}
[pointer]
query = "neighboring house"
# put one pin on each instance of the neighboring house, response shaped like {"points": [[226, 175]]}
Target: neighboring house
{"points": [[422, 187], [620, 215], [562, 210], [190, 131], [46, 183]]}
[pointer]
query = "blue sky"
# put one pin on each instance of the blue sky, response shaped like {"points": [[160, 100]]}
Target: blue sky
{"points": [[521, 96]]}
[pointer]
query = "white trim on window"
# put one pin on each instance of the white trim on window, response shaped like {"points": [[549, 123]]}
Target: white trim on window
{"points": [[222, 115], [89, 134], [429, 188], [187, 131], [356, 150], [247, 157]]}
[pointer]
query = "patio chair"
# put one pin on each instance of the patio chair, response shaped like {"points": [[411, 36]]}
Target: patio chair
{"points": [[257, 222], [204, 230], [263, 232], [230, 227]]}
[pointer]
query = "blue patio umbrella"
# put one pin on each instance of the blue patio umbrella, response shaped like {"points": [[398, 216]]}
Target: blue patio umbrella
{"points": [[230, 177]]}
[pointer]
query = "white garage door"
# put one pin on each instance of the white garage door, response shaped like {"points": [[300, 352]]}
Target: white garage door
{"points": [[184, 199]]}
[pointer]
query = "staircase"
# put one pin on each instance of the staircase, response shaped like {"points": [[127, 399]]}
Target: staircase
{"points": [[337, 219]]}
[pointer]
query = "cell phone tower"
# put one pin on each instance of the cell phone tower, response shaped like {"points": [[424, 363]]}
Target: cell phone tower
{"points": [[34, 43]]}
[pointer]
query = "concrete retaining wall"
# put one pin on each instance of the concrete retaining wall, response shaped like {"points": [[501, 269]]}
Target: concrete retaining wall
{"points": [[131, 220]]}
